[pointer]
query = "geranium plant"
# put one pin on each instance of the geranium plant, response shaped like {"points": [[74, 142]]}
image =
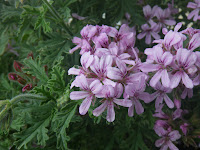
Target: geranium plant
{"points": [[99, 74]]}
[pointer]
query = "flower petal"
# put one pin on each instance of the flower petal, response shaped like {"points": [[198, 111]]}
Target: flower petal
{"points": [[165, 78], [110, 112], [154, 80], [76, 95], [187, 81], [123, 102], [99, 110], [85, 105], [175, 79], [131, 111], [138, 107], [168, 101]]}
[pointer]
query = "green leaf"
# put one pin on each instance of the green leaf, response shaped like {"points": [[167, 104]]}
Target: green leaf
{"points": [[3, 42], [36, 69], [37, 118], [52, 50], [61, 121], [56, 83], [39, 130]]}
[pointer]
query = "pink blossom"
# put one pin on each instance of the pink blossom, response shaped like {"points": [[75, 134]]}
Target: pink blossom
{"points": [[149, 31], [195, 12], [187, 92], [184, 128], [161, 94], [172, 38], [89, 91], [162, 59], [135, 91], [166, 141], [111, 97], [164, 17], [194, 42], [126, 37], [172, 9], [148, 12], [185, 59], [86, 61]]}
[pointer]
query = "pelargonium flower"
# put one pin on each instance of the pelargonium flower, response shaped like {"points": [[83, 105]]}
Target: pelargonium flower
{"points": [[161, 94], [162, 59], [185, 59], [149, 31], [172, 39], [166, 141], [89, 91], [164, 17], [148, 12], [184, 128], [195, 12], [135, 92], [111, 95]]}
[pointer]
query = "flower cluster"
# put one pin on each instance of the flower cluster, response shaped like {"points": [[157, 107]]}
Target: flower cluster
{"points": [[165, 126], [112, 74], [109, 71], [156, 18]]}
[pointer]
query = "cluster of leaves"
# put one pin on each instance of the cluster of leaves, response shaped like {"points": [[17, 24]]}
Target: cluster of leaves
{"points": [[45, 117]]}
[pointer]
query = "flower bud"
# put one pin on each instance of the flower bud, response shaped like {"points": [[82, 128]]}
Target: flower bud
{"points": [[21, 80], [184, 128], [177, 103], [18, 66], [12, 76], [28, 87]]}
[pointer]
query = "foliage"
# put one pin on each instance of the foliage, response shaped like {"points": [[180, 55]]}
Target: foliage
{"points": [[45, 117]]}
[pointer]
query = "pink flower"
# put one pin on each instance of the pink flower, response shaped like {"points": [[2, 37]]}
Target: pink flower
{"points": [[111, 94], [187, 92], [164, 17], [195, 12], [185, 59], [148, 12], [135, 91], [161, 94], [126, 37], [89, 91], [184, 128], [149, 31], [166, 141], [162, 59], [81, 43], [172, 9], [194, 42], [172, 38], [100, 69], [86, 61]]}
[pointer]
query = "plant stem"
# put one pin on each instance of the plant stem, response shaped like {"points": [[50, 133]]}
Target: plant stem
{"points": [[8, 103], [27, 97], [57, 16]]}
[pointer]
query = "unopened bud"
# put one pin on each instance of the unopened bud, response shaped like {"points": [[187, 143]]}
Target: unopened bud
{"points": [[17, 66], [28, 87], [21, 80], [13, 76]]}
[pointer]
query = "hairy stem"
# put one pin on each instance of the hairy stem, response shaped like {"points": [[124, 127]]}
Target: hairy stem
{"points": [[8, 103]]}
